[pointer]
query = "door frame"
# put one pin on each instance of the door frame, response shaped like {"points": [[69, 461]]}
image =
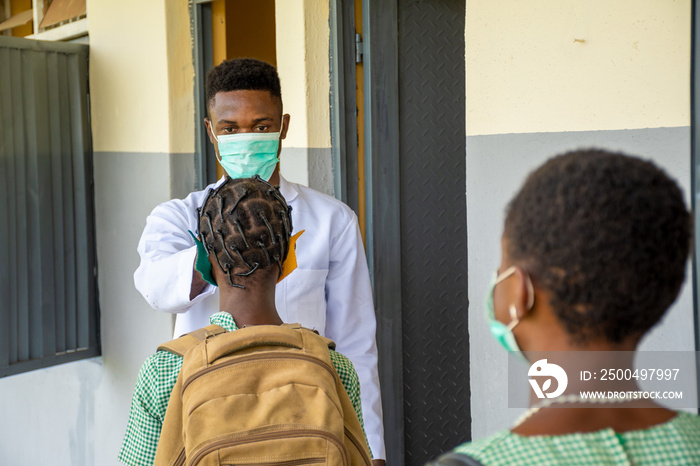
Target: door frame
{"points": [[343, 103], [381, 76], [204, 156], [695, 163], [382, 190]]}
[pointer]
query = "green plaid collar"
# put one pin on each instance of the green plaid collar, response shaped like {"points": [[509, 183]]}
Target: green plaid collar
{"points": [[225, 320]]}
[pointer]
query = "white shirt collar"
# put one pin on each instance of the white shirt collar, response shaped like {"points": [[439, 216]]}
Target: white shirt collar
{"points": [[218, 183], [288, 190]]}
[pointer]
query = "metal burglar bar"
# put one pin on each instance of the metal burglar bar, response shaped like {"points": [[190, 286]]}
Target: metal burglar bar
{"points": [[48, 298]]}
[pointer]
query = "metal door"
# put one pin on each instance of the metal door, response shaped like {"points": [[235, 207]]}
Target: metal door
{"points": [[416, 158]]}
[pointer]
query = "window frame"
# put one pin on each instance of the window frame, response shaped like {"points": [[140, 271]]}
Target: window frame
{"points": [[70, 29]]}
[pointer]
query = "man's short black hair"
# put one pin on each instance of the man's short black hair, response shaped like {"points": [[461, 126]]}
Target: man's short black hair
{"points": [[608, 235], [246, 224], [242, 74]]}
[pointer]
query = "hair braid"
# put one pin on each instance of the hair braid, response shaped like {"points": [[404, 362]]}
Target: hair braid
{"points": [[246, 224]]}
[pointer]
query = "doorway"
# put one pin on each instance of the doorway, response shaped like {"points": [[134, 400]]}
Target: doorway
{"points": [[413, 61], [226, 29]]}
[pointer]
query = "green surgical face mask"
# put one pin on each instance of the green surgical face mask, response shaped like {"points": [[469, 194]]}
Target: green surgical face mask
{"points": [[501, 332], [244, 155]]}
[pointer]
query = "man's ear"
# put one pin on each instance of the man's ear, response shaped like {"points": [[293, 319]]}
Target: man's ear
{"points": [[210, 130], [285, 126]]}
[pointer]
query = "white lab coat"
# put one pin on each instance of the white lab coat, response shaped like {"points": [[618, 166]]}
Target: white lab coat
{"points": [[330, 290]]}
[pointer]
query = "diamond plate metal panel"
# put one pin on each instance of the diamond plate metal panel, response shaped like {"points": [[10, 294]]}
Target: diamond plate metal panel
{"points": [[433, 226]]}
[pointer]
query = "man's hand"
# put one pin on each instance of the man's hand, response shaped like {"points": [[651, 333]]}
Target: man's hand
{"points": [[378, 462]]}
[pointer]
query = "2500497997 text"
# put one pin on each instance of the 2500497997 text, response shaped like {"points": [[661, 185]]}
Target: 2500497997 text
{"points": [[629, 374]]}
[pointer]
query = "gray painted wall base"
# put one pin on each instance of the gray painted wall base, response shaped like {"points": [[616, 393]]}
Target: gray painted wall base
{"points": [[127, 187], [181, 175], [312, 167], [496, 167]]}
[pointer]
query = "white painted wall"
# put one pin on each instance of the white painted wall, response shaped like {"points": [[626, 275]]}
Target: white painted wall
{"points": [[547, 65]]}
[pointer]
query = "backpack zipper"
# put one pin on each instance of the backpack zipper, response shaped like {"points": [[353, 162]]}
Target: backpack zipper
{"points": [[271, 435], [282, 463], [253, 357], [357, 444], [180, 458]]}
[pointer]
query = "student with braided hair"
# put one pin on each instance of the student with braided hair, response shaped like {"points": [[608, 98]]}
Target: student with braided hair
{"points": [[252, 238], [244, 240], [331, 290]]}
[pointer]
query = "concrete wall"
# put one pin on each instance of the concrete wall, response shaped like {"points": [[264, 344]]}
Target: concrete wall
{"points": [[544, 77]]}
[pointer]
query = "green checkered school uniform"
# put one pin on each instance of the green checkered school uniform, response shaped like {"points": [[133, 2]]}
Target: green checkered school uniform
{"points": [[676, 442], [156, 380]]}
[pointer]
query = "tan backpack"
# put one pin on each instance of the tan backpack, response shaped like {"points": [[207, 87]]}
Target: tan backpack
{"points": [[262, 395]]}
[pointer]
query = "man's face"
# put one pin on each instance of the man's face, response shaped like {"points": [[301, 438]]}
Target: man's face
{"points": [[246, 112]]}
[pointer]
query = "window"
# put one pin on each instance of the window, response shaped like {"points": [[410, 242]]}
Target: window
{"points": [[48, 295], [44, 19]]}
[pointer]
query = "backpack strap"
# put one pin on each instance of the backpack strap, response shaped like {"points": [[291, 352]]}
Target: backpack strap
{"points": [[286, 335], [454, 459], [180, 345], [329, 342]]}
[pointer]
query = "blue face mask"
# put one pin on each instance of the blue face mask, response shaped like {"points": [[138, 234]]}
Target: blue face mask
{"points": [[501, 332], [246, 154]]}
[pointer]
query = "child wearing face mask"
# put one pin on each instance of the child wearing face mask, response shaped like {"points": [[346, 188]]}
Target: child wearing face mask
{"points": [[593, 253]]}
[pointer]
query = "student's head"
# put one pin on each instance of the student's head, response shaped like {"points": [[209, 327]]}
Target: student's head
{"points": [[244, 96], [606, 236], [245, 225]]}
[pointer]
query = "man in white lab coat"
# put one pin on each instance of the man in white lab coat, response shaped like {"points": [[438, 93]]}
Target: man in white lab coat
{"points": [[329, 291]]}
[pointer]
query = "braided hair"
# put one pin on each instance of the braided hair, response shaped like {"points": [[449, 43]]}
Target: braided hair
{"points": [[246, 224], [607, 235]]}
